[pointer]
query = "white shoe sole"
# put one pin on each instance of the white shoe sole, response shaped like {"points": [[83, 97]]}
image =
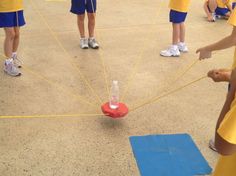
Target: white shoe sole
{"points": [[19, 74]]}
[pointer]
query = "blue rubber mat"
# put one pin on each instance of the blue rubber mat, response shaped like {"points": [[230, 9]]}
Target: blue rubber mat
{"points": [[168, 155]]}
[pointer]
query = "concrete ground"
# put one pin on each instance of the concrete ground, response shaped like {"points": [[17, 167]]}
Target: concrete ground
{"points": [[131, 35]]}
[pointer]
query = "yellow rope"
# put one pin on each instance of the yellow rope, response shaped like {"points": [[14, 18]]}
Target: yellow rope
{"points": [[58, 86], [103, 62], [185, 71], [50, 116], [177, 77], [54, 35], [155, 99], [105, 77], [139, 61], [55, 84]]}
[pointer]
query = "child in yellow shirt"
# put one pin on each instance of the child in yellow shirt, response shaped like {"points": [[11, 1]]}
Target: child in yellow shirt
{"points": [[219, 75], [225, 136], [217, 8], [178, 14], [11, 19]]}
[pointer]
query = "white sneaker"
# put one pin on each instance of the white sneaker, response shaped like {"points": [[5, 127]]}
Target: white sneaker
{"points": [[182, 47], [93, 43], [84, 43], [213, 17], [17, 62], [172, 51], [10, 68]]}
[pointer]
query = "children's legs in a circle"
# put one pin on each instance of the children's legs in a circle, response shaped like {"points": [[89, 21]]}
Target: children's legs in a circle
{"points": [[9, 41], [176, 33], [80, 21], [91, 24]]}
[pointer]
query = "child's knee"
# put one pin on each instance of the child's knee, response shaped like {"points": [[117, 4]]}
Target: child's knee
{"points": [[91, 16], [11, 34], [17, 34], [81, 18]]}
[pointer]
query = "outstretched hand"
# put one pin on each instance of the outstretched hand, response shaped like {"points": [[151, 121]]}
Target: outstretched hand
{"points": [[203, 53]]}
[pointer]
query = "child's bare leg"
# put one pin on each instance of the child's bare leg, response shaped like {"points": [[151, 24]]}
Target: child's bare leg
{"points": [[9, 40], [209, 8], [176, 33], [182, 32], [212, 4], [220, 75], [227, 15], [80, 21], [91, 24], [16, 39]]}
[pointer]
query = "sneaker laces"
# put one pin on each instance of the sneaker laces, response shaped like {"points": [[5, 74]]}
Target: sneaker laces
{"points": [[18, 61]]}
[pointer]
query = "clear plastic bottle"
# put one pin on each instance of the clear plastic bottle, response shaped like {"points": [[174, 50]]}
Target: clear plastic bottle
{"points": [[114, 99]]}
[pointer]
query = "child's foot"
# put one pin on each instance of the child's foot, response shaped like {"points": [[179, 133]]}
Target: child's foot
{"points": [[218, 16], [212, 17], [220, 75], [212, 145], [17, 62], [93, 43], [182, 47], [172, 51], [10, 68], [84, 43]]}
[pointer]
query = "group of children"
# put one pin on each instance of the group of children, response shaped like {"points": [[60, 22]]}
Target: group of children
{"points": [[12, 18], [178, 13]]}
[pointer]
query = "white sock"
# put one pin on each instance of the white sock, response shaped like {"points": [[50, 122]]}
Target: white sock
{"points": [[175, 47], [14, 54], [9, 60], [181, 43]]}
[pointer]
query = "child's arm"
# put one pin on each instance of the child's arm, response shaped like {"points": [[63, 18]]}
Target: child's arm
{"points": [[222, 146], [229, 6], [225, 43]]}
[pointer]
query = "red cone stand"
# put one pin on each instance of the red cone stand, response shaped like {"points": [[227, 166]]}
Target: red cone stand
{"points": [[120, 112]]}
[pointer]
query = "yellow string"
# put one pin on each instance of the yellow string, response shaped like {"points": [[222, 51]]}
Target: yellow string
{"points": [[50, 116], [54, 35], [103, 62], [56, 85], [139, 61], [185, 71], [155, 99]]}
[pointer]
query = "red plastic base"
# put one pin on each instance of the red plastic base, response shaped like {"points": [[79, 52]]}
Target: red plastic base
{"points": [[115, 113]]}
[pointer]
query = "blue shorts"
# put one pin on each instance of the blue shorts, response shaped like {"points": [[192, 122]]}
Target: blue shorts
{"points": [[12, 19], [177, 17], [221, 11], [233, 5], [79, 6]]}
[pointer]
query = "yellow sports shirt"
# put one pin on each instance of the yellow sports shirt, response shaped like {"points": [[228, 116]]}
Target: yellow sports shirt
{"points": [[227, 130], [222, 3], [232, 21], [11, 5], [179, 5]]}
